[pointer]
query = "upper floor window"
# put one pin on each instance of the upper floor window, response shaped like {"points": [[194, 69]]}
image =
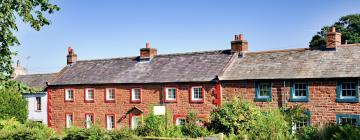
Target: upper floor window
{"points": [[69, 120], [89, 118], [110, 94], [263, 91], [110, 121], [299, 91], [89, 94], [347, 91], [170, 94], [197, 94], [37, 103], [135, 95], [69, 94], [348, 119]]}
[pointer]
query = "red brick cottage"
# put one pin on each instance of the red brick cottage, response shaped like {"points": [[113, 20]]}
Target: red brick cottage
{"points": [[117, 92]]}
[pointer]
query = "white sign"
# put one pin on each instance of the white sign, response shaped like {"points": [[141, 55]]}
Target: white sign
{"points": [[159, 110]]}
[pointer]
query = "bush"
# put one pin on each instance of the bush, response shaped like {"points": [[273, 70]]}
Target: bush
{"points": [[158, 126], [14, 130], [93, 133], [98, 133], [123, 134], [244, 119], [12, 104], [192, 129]]}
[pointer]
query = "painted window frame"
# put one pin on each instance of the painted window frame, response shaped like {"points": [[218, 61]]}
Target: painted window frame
{"points": [[132, 95], [92, 120], [166, 93], [38, 107], [107, 95], [106, 121], [356, 116], [177, 117], [66, 99], [132, 116], [257, 92], [308, 120], [201, 100], [67, 124], [293, 98], [86, 99], [341, 99]]}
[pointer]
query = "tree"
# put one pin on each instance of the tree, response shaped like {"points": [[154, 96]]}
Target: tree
{"points": [[348, 26], [30, 11]]}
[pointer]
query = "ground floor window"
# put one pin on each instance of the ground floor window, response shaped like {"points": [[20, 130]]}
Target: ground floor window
{"points": [[180, 121], [348, 119], [89, 118], [301, 122], [110, 121], [69, 120]]}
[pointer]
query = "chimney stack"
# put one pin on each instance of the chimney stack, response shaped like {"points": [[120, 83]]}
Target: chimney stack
{"points": [[71, 57], [147, 53], [333, 38], [239, 44]]}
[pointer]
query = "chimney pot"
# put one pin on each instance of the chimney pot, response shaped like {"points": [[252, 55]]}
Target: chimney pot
{"points": [[333, 38], [71, 57], [147, 44], [241, 37]]}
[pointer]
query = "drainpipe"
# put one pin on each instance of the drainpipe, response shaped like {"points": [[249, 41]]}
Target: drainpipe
{"points": [[284, 95]]}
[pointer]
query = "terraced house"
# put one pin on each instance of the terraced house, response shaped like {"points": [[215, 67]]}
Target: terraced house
{"points": [[117, 92]]}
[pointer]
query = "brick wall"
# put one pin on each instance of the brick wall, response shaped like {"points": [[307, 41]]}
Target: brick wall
{"points": [[322, 98], [151, 95]]}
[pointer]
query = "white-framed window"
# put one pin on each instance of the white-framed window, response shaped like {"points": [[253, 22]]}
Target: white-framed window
{"points": [[37, 103], [197, 93], [296, 125], [89, 94], [136, 94], [110, 122], [69, 120], [180, 121], [69, 94], [110, 94], [135, 120], [170, 94], [89, 118]]}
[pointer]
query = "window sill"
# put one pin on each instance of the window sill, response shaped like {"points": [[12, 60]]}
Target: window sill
{"points": [[109, 101], [135, 101], [37, 110], [89, 101], [349, 100], [263, 99], [299, 100], [69, 101], [197, 101], [170, 101]]}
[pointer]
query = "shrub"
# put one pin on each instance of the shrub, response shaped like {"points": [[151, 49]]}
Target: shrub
{"points": [[337, 132], [192, 129], [123, 134], [93, 133], [308, 133], [14, 130], [158, 126], [244, 119], [12, 104]]}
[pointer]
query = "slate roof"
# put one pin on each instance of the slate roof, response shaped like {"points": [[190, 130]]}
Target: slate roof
{"points": [[296, 64], [35, 80], [185, 67]]}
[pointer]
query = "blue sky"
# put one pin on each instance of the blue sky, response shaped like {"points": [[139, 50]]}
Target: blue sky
{"points": [[118, 28]]}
